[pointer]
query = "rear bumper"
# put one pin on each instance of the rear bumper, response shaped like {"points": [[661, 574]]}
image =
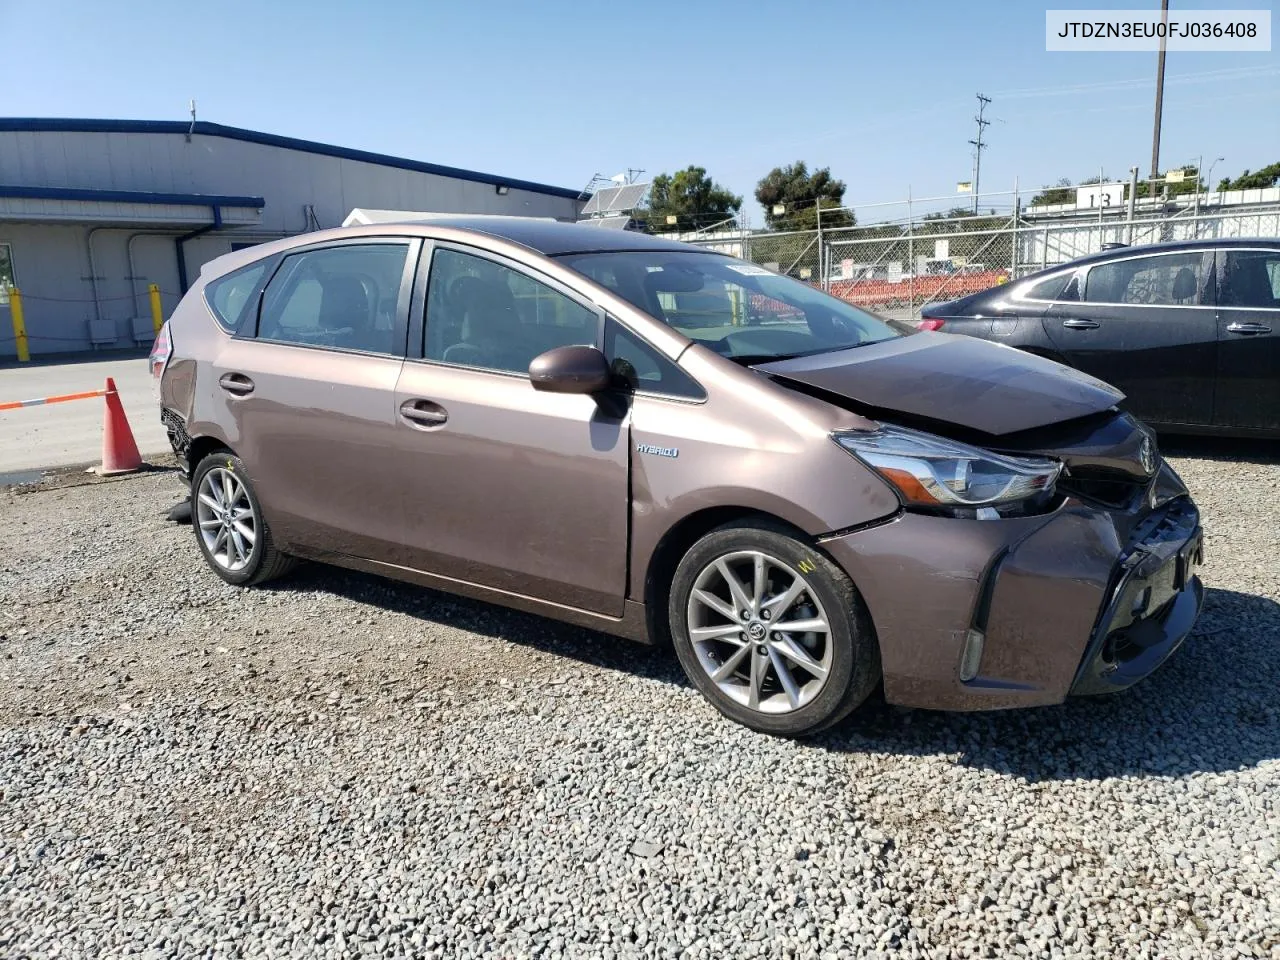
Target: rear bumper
{"points": [[982, 615]]}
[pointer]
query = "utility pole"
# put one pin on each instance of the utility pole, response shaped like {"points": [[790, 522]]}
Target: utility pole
{"points": [[978, 145], [1155, 133]]}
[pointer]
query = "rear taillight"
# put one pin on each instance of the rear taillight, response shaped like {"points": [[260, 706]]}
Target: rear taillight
{"points": [[160, 351], [930, 323]]}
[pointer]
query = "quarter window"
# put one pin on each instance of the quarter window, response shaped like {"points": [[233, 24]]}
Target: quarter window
{"points": [[343, 297], [229, 296], [1169, 280], [640, 368], [1251, 278], [483, 314], [1049, 289]]}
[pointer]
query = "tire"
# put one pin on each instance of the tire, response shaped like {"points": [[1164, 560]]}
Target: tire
{"points": [[846, 658], [241, 552]]}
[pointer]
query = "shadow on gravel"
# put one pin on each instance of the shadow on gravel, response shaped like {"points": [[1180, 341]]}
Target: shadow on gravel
{"points": [[490, 620], [1212, 707], [1221, 449]]}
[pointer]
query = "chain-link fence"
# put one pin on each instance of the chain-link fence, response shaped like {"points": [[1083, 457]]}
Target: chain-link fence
{"points": [[909, 259]]}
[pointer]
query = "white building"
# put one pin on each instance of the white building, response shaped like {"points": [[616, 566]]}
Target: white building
{"points": [[93, 211]]}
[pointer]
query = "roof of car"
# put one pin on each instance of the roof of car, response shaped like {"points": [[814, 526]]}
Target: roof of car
{"points": [[1172, 246], [553, 238]]}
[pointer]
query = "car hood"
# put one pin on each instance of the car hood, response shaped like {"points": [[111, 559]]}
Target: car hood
{"points": [[959, 380]]}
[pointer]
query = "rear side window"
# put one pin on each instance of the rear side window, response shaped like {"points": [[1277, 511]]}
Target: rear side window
{"points": [[1170, 280], [343, 297], [1250, 278], [229, 297]]}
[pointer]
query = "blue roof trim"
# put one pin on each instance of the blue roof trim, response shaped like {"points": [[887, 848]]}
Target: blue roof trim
{"points": [[130, 196], [204, 128]]}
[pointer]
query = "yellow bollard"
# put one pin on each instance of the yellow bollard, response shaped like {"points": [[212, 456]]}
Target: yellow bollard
{"points": [[19, 325], [156, 319]]}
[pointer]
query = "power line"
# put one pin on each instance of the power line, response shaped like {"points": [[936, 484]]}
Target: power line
{"points": [[978, 144]]}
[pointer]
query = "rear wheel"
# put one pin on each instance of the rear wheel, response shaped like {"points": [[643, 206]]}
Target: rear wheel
{"points": [[227, 518], [771, 631]]}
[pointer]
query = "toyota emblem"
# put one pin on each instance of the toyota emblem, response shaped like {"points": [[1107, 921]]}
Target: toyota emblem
{"points": [[1148, 455]]}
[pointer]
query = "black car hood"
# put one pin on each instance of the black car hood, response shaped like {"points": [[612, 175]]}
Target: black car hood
{"points": [[959, 380]]}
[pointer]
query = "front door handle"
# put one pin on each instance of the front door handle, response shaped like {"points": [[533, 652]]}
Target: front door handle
{"points": [[1080, 324], [423, 413], [1248, 329], [236, 384]]}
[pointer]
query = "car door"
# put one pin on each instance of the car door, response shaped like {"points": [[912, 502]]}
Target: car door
{"points": [[502, 485], [309, 393], [1248, 394], [1143, 324]]}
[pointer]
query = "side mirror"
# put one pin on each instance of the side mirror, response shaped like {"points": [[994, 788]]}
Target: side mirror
{"points": [[576, 369]]}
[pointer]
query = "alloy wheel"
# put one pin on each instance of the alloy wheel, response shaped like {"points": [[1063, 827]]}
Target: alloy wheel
{"points": [[226, 519], [759, 632]]}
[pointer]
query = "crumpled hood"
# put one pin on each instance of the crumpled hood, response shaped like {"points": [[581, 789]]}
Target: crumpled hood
{"points": [[960, 380]]}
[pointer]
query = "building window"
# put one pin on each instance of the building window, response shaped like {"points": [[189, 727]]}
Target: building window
{"points": [[7, 281]]}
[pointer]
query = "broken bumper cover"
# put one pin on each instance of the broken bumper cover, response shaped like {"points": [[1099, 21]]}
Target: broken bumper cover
{"points": [[1154, 603], [1078, 602]]}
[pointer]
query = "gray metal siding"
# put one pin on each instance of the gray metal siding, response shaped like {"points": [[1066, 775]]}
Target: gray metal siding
{"points": [[289, 179]]}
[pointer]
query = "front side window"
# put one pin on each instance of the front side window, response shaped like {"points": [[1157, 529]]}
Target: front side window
{"points": [[739, 309], [1169, 280], [7, 281], [1250, 278], [481, 313], [229, 297], [343, 297]]}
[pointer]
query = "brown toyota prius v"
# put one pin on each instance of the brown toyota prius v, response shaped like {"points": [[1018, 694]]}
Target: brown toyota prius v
{"points": [[668, 444]]}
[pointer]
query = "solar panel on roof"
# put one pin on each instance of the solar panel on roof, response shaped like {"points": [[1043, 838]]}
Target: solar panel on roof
{"points": [[625, 198], [601, 200], [614, 200]]}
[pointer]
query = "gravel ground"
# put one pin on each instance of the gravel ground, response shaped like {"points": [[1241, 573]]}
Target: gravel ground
{"points": [[338, 765]]}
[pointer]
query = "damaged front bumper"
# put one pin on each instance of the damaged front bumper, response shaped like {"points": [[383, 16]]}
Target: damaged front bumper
{"points": [[1025, 612], [1154, 603]]}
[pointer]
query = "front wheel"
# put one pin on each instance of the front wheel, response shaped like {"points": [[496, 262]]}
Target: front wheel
{"points": [[227, 517], [771, 631]]}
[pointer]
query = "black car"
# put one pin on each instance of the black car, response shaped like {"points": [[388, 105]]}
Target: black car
{"points": [[1190, 331]]}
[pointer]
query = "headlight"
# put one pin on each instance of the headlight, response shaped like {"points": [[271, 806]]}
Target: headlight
{"points": [[929, 471]]}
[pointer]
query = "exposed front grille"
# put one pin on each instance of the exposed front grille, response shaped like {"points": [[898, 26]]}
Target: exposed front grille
{"points": [[1107, 487]]}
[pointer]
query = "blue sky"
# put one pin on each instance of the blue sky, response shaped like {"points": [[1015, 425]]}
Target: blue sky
{"points": [[882, 92]]}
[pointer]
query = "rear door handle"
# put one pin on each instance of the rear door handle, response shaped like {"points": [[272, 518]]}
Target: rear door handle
{"points": [[1248, 329], [423, 413], [1080, 324], [236, 384]]}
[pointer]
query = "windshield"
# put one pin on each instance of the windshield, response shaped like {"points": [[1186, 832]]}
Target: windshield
{"points": [[738, 309]]}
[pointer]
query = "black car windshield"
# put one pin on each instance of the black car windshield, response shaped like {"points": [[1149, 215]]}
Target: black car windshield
{"points": [[738, 309]]}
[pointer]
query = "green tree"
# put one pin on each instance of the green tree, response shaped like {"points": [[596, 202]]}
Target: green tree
{"points": [[1257, 180], [692, 197], [799, 194], [1060, 192]]}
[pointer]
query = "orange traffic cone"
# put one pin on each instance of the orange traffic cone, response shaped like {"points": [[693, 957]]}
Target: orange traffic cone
{"points": [[119, 450]]}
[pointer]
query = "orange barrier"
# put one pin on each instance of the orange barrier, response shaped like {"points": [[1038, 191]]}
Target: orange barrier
{"points": [[923, 290], [41, 401]]}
